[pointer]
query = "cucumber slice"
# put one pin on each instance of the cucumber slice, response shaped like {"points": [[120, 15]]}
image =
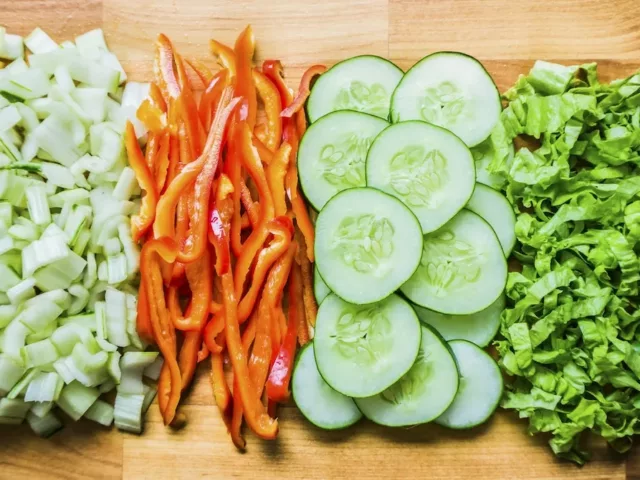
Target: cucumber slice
{"points": [[363, 83], [332, 154], [318, 402], [479, 328], [367, 244], [463, 269], [427, 167], [421, 395], [362, 349], [498, 212], [452, 90], [480, 389], [320, 289], [483, 155]]}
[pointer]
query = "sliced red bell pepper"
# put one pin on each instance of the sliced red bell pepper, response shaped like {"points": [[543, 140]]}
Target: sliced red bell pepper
{"points": [[303, 90]]}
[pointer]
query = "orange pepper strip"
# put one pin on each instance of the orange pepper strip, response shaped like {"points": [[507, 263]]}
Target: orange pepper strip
{"points": [[189, 110], [274, 71], [164, 224], [215, 307], [161, 163], [204, 73], [141, 222], [308, 297], [211, 332], [272, 107], [225, 54], [234, 170], [188, 357], [165, 68], [246, 223], [151, 151], [258, 236], [296, 305], [304, 90], [157, 100], [262, 349], [143, 322], [203, 353], [150, 116], [174, 159], [282, 230], [211, 97], [266, 155], [257, 417], [199, 276], [252, 208], [169, 388], [244, 50], [280, 374], [300, 210], [276, 172], [221, 392]]}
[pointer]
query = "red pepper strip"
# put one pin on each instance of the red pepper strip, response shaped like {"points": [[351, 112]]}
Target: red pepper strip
{"points": [[166, 74], [282, 230], [204, 73], [308, 297], [226, 56], [161, 164], [164, 224], [300, 210], [296, 305], [258, 236], [163, 331], [188, 357], [199, 276], [276, 172], [221, 392], [274, 71], [150, 116], [252, 208], [272, 107], [280, 375], [143, 322], [141, 222], [244, 50], [211, 97], [257, 417], [303, 90]]}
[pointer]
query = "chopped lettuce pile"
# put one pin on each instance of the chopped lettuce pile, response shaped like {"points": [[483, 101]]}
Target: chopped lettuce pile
{"points": [[570, 333], [68, 264]]}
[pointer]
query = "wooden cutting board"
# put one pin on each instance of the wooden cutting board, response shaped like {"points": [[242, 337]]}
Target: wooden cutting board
{"points": [[507, 35]]}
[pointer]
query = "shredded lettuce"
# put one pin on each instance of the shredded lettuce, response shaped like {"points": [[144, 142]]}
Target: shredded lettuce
{"points": [[570, 333]]}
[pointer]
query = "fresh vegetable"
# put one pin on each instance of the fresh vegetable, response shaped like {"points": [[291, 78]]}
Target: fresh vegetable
{"points": [[452, 90], [368, 244], [361, 350], [427, 167], [317, 401], [423, 393], [363, 84], [229, 231], [69, 259], [480, 387], [496, 210], [569, 334]]}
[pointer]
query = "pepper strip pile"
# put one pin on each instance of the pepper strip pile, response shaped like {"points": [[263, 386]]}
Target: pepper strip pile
{"points": [[226, 262]]}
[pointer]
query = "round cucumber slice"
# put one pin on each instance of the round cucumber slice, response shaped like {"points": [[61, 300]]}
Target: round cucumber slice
{"points": [[421, 395], [479, 328], [320, 289], [498, 212], [363, 349], [363, 83], [332, 154], [463, 269], [452, 90], [427, 167], [480, 389], [318, 402], [367, 244]]}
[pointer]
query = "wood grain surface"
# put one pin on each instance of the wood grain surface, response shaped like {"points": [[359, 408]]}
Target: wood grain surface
{"points": [[507, 35]]}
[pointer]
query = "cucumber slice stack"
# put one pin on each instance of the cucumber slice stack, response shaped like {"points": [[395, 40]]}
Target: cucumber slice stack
{"points": [[398, 168]]}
